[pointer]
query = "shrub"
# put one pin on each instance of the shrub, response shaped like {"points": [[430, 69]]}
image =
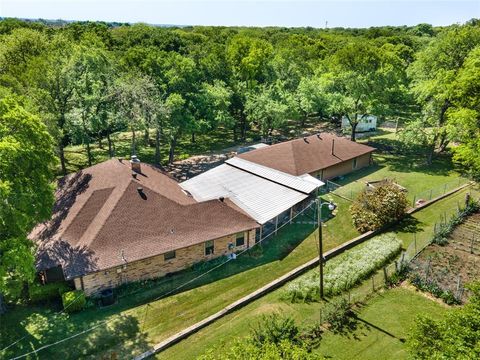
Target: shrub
{"points": [[346, 270], [50, 291], [374, 209], [74, 301], [339, 315], [273, 329]]}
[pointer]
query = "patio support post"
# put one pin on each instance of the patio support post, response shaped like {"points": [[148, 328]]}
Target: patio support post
{"points": [[276, 224]]}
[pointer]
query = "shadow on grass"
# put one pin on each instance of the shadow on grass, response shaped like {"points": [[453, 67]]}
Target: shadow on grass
{"points": [[119, 339], [409, 224], [41, 325]]}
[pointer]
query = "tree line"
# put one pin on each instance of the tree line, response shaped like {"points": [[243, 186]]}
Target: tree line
{"points": [[89, 80]]}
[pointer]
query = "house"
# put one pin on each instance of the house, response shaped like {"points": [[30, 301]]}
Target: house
{"points": [[366, 123], [324, 156], [269, 196], [122, 221]]}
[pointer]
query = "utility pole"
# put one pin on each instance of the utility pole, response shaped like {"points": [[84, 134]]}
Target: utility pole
{"points": [[320, 244]]}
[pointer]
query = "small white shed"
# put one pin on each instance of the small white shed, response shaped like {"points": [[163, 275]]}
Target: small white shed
{"points": [[367, 123]]}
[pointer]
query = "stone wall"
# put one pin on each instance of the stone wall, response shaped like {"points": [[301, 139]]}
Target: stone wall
{"points": [[157, 266], [343, 168]]}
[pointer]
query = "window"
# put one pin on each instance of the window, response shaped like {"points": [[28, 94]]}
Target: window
{"points": [[209, 247], [240, 241], [169, 255], [355, 163]]}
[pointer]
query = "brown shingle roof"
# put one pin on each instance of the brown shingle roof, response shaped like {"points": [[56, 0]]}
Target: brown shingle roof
{"points": [[100, 213], [307, 155]]}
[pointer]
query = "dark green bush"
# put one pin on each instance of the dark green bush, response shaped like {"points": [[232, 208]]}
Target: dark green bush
{"points": [[340, 316], [38, 292], [74, 301], [275, 328]]}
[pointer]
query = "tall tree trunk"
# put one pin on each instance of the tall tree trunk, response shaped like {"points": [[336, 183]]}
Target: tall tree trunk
{"points": [[243, 126], [171, 153], [146, 137], [157, 147], [235, 137], [354, 129], [193, 137], [100, 144], [61, 155], [89, 152], [109, 140], [134, 143]]}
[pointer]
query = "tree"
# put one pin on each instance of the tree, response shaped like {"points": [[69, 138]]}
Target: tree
{"points": [[93, 87], [27, 163], [177, 121], [267, 110], [464, 119], [135, 97], [433, 76], [379, 207], [54, 81], [358, 78], [456, 336]]}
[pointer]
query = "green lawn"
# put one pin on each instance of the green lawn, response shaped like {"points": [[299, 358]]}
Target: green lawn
{"points": [[294, 246], [382, 327]]}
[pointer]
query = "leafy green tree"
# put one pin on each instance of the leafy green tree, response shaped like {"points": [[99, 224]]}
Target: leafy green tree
{"points": [[464, 119], [358, 78], [27, 162], [378, 207], [135, 98], [93, 89], [178, 122], [433, 77], [54, 82], [456, 336], [267, 110], [18, 52]]}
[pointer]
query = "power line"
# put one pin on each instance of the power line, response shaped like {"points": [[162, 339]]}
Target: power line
{"points": [[155, 299]]}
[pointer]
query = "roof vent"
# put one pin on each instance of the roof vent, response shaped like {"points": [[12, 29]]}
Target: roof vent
{"points": [[134, 174], [306, 140], [333, 146], [136, 164], [140, 189], [221, 198], [319, 137]]}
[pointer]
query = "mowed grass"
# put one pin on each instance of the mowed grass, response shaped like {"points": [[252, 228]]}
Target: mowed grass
{"points": [[383, 326], [220, 334]]}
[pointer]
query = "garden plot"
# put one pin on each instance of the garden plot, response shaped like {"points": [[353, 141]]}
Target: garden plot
{"points": [[455, 264]]}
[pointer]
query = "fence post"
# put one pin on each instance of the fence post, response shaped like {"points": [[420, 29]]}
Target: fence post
{"points": [[373, 283], [471, 246], [415, 242], [385, 274]]}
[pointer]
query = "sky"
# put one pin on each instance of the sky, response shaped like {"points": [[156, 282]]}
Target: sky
{"points": [[315, 13]]}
